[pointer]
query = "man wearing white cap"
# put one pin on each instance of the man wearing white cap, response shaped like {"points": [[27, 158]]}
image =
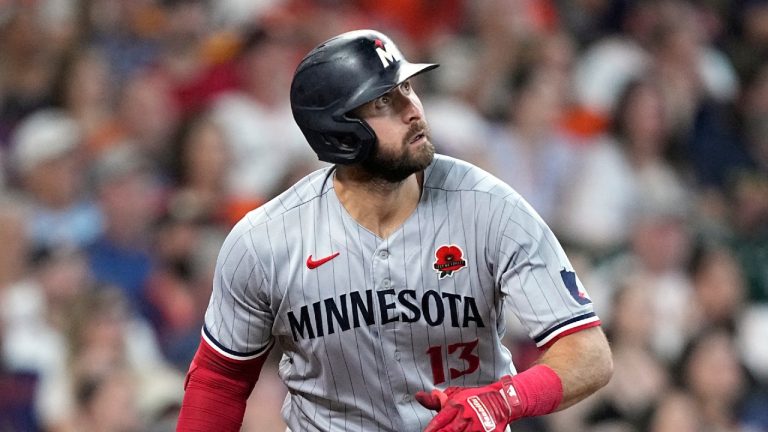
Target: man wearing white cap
{"points": [[44, 156]]}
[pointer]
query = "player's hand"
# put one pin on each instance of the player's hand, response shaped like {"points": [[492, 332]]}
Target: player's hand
{"points": [[472, 409]]}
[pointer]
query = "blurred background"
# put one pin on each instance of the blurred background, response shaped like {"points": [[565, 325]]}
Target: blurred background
{"points": [[134, 133]]}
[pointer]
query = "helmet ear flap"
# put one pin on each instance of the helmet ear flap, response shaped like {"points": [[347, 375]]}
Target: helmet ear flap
{"points": [[345, 143], [350, 146]]}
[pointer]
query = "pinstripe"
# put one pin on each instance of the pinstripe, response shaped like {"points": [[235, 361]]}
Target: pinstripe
{"points": [[541, 290], [320, 294], [377, 340], [221, 278], [475, 186], [234, 312], [285, 295], [304, 296], [466, 171], [410, 328], [513, 301], [534, 241], [447, 173], [451, 241], [229, 290], [423, 280], [357, 343], [500, 235], [434, 224], [422, 276], [476, 271], [380, 342], [553, 250]]}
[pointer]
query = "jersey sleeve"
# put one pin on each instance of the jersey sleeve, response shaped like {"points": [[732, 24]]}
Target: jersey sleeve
{"points": [[537, 279], [239, 318]]}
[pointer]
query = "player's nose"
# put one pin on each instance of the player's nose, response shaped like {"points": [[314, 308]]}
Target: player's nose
{"points": [[412, 109]]}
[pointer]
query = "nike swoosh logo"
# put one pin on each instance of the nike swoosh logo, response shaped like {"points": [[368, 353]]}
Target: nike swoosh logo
{"points": [[313, 264]]}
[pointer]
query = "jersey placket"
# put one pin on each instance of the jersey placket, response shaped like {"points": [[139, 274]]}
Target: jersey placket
{"points": [[387, 284]]}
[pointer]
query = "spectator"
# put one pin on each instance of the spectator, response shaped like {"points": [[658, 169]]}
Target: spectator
{"points": [[35, 311], [659, 250], [179, 289], [622, 170], [718, 397], [266, 143], [719, 288], [754, 112], [106, 345], [107, 402], [606, 66], [748, 44], [130, 200], [748, 202], [17, 395], [46, 154], [17, 385], [15, 252], [147, 116], [26, 66], [529, 150], [127, 33], [628, 400], [691, 72], [456, 123], [199, 167], [197, 56], [82, 88], [676, 412]]}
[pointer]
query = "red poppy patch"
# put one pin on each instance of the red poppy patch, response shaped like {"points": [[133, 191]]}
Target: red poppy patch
{"points": [[449, 259]]}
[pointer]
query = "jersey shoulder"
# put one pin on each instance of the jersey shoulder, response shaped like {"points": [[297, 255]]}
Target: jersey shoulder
{"points": [[311, 187], [456, 175]]}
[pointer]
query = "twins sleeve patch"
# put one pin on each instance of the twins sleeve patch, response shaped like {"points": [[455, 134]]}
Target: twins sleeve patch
{"points": [[569, 279]]}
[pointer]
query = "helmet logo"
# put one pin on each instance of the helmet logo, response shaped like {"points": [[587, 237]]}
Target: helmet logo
{"points": [[387, 54]]}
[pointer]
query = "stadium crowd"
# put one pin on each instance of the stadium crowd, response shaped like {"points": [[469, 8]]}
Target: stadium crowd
{"points": [[134, 133]]}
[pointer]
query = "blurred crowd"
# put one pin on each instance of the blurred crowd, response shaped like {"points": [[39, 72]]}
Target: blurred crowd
{"points": [[134, 133]]}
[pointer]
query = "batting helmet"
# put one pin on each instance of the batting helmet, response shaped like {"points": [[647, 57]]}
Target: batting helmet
{"points": [[338, 76]]}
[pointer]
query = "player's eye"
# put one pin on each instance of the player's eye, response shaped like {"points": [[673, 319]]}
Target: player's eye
{"points": [[406, 88], [383, 101]]}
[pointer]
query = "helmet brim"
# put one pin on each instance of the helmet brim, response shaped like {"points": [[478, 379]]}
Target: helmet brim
{"points": [[382, 85]]}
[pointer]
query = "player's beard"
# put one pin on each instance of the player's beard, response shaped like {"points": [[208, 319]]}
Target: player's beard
{"points": [[395, 166]]}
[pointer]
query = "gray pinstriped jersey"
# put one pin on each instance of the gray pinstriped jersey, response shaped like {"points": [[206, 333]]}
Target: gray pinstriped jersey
{"points": [[365, 322]]}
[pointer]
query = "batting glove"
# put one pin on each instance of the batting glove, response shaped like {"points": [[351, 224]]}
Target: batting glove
{"points": [[473, 409]]}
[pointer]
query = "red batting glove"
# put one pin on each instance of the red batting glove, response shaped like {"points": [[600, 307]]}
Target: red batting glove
{"points": [[473, 409]]}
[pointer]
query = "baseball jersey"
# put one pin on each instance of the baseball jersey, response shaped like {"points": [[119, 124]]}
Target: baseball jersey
{"points": [[363, 322]]}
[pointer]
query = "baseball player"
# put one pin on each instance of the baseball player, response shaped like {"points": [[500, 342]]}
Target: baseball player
{"points": [[385, 279]]}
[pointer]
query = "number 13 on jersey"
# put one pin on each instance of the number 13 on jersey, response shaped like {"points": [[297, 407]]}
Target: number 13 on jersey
{"points": [[462, 354]]}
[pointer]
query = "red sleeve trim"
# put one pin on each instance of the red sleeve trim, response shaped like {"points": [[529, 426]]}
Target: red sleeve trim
{"points": [[566, 331]]}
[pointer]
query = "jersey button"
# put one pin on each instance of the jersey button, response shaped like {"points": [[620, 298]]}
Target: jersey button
{"points": [[386, 283], [384, 254], [407, 398], [397, 355]]}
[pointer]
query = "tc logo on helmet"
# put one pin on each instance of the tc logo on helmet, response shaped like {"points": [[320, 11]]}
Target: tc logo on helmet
{"points": [[387, 54]]}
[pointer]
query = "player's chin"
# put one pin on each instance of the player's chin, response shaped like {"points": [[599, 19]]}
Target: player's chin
{"points": [[423, 152]]}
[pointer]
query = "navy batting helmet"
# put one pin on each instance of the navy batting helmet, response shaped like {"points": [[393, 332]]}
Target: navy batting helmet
{"points": [[338, 76]]}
